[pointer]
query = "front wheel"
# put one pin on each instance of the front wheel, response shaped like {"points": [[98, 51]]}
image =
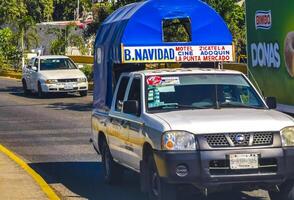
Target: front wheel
{"points": [[40, 92], [157, 188], [286, 192], [112, 171], [25, 87]]}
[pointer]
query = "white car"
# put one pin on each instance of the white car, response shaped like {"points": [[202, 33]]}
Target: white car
{"points": [[52, 74]]}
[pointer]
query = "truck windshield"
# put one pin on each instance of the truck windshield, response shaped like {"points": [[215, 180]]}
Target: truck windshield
{"points": [[200, 91], [56, 64]]}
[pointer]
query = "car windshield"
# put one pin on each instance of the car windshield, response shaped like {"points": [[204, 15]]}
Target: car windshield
{"points": [[200, 91], [56, 64]]}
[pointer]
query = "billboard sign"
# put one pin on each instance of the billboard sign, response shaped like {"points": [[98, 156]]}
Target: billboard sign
{"points": [[270, 44], [155, 54]]}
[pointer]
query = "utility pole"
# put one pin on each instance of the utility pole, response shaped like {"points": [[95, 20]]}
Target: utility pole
{"points": [[78, 10]]}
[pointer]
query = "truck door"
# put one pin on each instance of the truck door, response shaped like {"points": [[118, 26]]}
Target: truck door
{"points": [[116, 133], [134, 127]]}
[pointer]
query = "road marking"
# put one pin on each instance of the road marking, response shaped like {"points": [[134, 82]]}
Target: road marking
{"points": [[40, 181]]}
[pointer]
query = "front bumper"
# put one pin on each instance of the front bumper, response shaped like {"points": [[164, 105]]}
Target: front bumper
{"points": [[65, 87], [210, 169]]}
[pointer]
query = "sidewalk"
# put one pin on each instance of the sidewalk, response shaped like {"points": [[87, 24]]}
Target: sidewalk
{"points": [[17, 181]]}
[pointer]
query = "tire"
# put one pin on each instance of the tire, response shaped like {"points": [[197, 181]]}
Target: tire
{"points": [[25, 88], [286, 192], [83, 93], [113, 172], [40, 93], [157, 188]]}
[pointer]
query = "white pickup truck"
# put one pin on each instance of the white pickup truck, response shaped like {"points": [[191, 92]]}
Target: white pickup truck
{"points": [[52, 74], [207, 128]]}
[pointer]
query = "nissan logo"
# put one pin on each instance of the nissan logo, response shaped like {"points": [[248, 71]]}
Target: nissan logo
{"points": [[240, 138]]}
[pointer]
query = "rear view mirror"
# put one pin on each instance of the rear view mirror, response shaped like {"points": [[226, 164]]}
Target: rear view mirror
{"points": [[271, 102], [131, 107]]}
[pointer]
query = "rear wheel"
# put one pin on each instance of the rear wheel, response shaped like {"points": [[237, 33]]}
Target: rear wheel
{"points": [[157, 188], [25, 87], [286, 192], [112, 171], [83, 93]]}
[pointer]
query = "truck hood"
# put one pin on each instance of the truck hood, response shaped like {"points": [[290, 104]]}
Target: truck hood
{"points": [[62, 74], [226, 120]]}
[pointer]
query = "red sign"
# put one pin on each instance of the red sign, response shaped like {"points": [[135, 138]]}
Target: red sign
{"points": [[154, 80]]}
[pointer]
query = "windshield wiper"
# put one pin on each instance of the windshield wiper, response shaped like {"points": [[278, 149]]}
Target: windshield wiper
{"points": [[237, 105], [175, 106]]}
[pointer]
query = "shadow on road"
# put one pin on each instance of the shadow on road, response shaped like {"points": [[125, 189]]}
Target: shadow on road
{"points": [[85, 179], [71, 106]]}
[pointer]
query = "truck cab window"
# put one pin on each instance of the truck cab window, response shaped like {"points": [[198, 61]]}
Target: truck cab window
{"points": [[135, 91], [121, 93]]}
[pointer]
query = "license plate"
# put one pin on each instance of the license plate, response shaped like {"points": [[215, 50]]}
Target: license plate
{"points": [[68, 87], [244, 161]]}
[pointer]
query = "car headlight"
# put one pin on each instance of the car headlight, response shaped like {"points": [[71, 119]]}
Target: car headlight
{"points": [[51, 81], [287, 135], [178, 140], [80, 80]]}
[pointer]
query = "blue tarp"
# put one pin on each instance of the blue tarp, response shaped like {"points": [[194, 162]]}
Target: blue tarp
{"points": [[140, 24]]}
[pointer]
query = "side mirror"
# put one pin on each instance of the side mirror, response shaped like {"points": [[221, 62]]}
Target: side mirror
{"points": [[34, 68], [131, 107], [271, 102], [80, 66]]}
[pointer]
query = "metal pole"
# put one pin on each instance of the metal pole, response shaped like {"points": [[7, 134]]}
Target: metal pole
{"points": [[78, 10]]}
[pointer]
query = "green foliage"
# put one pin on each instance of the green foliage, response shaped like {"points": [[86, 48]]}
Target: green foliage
{"points": [[11, 10], [88, 71], [65, 9], [41, 10], [9, 53], [65, 38], [234, 15]]}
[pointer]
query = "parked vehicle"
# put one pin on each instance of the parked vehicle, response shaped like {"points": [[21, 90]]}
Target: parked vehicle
{"points": [[53, 74], [202, 127]]}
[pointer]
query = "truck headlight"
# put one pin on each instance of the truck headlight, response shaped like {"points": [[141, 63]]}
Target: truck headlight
{"points": [[178, 140], [80, 80], [51, 81], [287, 135]]}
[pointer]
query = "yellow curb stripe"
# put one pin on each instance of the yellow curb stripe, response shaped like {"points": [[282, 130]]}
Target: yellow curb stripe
{"points": [[40, 181]]}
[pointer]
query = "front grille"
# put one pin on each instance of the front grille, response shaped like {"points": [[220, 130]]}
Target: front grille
{"points": [[67, 80], [222, 167], [239, 139], [262, 139], [217, 140]]}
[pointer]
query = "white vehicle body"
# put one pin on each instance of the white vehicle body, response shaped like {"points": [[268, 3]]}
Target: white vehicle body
{"points": [[194, 141], [36, 78]]}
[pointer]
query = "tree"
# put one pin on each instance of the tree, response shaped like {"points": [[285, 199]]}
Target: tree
{"points": [[65, 38], [9, 52], [41, 10], [11, 10], [234, 15]]}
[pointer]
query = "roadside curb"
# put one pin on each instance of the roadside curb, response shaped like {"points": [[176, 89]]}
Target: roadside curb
{"points": [[39, 180]]}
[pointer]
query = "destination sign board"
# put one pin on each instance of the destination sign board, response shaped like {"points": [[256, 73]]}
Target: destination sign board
{"points": [[178, 54]]}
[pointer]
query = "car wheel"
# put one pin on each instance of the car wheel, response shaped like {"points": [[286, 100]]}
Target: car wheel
{"points": [[83, 93], [113, 172], [286, 192], [157, 188], [25, 88], [40, 93]]}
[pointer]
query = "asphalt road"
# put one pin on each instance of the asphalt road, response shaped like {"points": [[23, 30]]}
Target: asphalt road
{"points": [[52, 135]]}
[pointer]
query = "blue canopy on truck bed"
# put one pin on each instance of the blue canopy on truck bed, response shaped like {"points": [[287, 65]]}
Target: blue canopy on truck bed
{"points": [[134, 34]]}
